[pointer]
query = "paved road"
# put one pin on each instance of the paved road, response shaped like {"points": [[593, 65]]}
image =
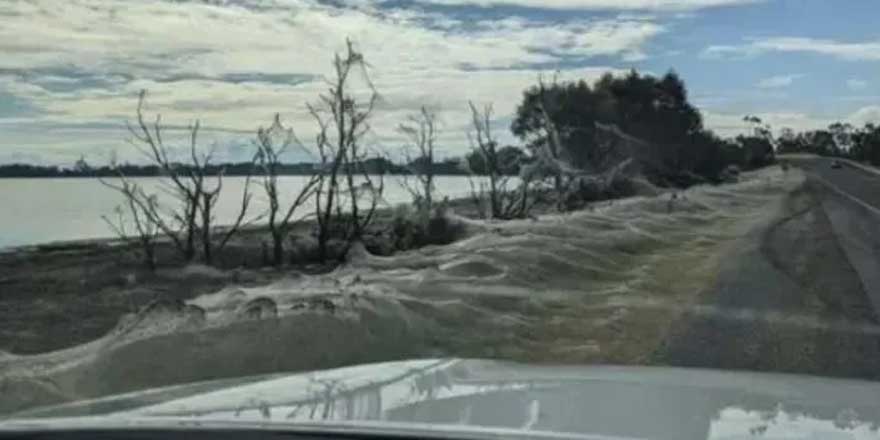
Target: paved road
{"points": [[853, 207], [860, 184], [801, 294]]}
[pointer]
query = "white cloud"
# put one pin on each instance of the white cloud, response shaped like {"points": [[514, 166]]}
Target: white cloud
{"points": [[860, 51], [730, 125], [864, 115], [150, 37], [229, 65], [627, 5], [856, 84], [727, 124], [778, 81]]}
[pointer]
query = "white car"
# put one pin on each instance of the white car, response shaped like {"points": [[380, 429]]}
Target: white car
{"points": [[475, 399]]}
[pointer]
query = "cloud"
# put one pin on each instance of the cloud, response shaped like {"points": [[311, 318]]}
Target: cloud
{"points": [[864, 115], [731, 125], [298, 37], [212, 101], [860, 51], [234, 63], [856, 84], [12, 106], [778, 81], [727, 124], [625, 5], [739, 98]]}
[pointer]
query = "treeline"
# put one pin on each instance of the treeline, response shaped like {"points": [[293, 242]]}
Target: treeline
{"points": [[639, 116], [580, 143], [838, 139], [379, 165]]}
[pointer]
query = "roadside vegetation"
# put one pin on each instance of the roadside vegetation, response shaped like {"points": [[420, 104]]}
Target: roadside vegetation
{"points": [[839, 139], [578, 143]]}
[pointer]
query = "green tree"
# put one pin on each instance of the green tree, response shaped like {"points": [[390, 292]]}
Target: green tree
{"points": [[842, 134], [866, 144], [574, 108], [788, 141], [653, 109]]}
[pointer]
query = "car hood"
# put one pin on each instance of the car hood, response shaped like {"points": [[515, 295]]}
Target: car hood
{"points": [[467, 398]]}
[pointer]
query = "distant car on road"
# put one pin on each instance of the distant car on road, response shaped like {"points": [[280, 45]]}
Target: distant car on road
{"points": [[835, 164]]}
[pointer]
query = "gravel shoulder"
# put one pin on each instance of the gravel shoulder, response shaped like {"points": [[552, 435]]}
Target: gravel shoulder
{"points": [[788, 297]]}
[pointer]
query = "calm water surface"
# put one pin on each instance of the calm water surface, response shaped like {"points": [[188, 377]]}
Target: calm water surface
{"points": [[36, 211]]}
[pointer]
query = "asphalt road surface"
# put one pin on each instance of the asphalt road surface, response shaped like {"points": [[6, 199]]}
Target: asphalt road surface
{"points": [[800, 295]]}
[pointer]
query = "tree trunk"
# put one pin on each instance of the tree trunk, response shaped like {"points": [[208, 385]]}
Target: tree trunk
{"points": [[189, 252], [325, 224], [206, 230], [493, 196], [277, 248], [192, 226], [149, 255], [264, 253], [560, 194], [206, 246], [322, 244], [355, 220]]}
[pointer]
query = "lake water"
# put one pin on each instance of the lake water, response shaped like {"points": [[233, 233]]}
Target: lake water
{"points": [[36, 211]]}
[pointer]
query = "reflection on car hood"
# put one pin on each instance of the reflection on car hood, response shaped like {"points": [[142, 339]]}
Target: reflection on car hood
{"points": [[458, 396]]}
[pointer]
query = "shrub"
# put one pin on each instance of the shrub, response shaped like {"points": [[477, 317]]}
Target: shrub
{"points": [[591, 191], [412, 228]]}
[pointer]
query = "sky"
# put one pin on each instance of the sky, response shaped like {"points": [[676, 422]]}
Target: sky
{"points": [[71, 71]]}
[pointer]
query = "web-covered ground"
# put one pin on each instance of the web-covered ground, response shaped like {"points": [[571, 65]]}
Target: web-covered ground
{"points": [[600, 285]]}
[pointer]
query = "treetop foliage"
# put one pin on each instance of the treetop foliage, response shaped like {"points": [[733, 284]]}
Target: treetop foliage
{"points": [[677, 148]]}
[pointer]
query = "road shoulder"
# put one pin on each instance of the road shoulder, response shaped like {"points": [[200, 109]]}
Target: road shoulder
{"points": [[787, 299]]}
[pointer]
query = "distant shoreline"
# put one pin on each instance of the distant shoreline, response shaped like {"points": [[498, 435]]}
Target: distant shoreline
{"points": [[157, 176], [110, 241], [448, 167]]}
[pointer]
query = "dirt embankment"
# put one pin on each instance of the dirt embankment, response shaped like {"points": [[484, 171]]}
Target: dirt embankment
{"points": [[59, 295]]}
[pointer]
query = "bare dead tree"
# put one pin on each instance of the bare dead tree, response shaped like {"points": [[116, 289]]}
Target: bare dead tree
{"points": [[420, 129], [362, 187], [485, 145], [138, 205], [207, 221], [272, 143], [342, 123], [206, 208], [503, 202], [148, 139], [239, 223], [327, 188], [191, 216]]}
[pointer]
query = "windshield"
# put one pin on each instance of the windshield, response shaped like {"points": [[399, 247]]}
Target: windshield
{"points": [[201, 190]]}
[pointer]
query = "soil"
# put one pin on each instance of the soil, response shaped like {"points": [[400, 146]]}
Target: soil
{"points": [[59, 295]]}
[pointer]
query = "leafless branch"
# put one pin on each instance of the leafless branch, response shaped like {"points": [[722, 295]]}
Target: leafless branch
{"points": [[420, 129], [138, 206], [342, 122], [271, 144]]}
